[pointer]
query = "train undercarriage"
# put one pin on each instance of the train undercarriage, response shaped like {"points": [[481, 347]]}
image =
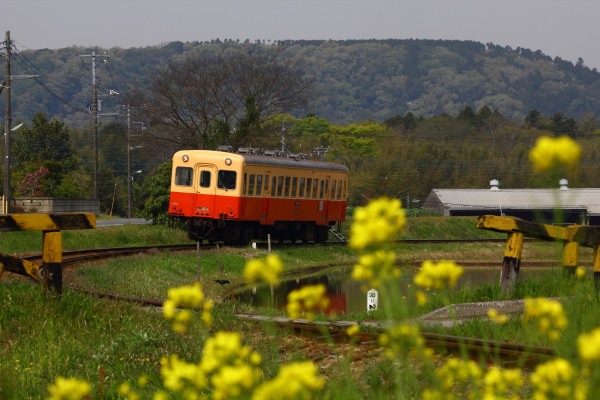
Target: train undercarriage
{"points": [[242, 232]]}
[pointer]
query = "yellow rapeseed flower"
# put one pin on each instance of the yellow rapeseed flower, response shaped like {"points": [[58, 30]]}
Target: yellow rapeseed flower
{"points": [[294, 381], [588, 345], [353, 330], [557, 379], [376, 268], [186, 296], [580, 272], [549, 151], [307, 301], [267, 270], [180, 298], [68, 389], [548, 314], [401, 339], [226, 349], [436, 394], [178, 375], [126, 391], [231, 381], [501, 383], [457, 377], [143, 380], [160, 395], [441, 275], [421, 297], [379, 221], [496, 317]]}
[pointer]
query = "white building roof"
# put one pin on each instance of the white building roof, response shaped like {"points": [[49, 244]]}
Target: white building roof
{"points": [[456, 199]]}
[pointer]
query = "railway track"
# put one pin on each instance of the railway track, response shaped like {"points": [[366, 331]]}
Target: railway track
{"points": [[73, 256], [505, 353]]}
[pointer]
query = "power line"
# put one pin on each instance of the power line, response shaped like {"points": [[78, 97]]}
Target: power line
{"points": [[45, 81]]}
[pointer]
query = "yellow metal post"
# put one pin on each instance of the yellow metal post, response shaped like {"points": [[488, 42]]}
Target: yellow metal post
{"points": [[52, 259], [570, 257], [597, 266], [512, 260]]}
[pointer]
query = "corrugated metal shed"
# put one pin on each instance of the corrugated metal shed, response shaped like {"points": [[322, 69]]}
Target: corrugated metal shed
{"points": [[518, 202]]}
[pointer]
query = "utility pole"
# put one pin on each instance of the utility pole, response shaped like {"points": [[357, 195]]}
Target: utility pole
{"points": [[128, 162], [94, 111], [129, 148], [7, 128]]}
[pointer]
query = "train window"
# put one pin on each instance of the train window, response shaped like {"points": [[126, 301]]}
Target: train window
{"points": [[308, 187], [226, 179], [244, 183], [315, 188], [273, 186], [183, 176], [302, 187], [259, 183], [322, 189], [286, 190], [294, 185], [266, 183], [332, 194], [251, 185], [205, 179], [279, 186], [338, 195]]}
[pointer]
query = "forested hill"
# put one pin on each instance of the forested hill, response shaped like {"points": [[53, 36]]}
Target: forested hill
{"points": [[353, 80]]}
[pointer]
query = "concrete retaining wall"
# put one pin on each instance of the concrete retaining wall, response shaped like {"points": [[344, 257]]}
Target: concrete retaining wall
{"points": [[54, 205]]}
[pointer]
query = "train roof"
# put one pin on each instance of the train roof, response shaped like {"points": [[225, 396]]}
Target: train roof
{"points": [[289, 160], [293, 162]]}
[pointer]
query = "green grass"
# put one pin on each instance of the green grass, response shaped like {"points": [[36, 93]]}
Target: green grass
{"points": [[108, 342], [42, 337], [115, 236]]}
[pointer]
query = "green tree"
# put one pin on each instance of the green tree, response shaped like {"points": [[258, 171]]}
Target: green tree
{"points": [[45, 144], [533, 119], [157, 194], [562, 125], [43, 141]]}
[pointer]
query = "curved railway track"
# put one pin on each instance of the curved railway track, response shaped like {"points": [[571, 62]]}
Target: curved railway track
{"points": [[506, 353]]}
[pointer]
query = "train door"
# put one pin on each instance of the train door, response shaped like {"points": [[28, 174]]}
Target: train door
{"points": [[266, 199], [205, 189], [324, 199]]}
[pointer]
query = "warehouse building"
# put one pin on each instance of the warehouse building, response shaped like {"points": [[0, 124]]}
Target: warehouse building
{"points": [[561, 205]]}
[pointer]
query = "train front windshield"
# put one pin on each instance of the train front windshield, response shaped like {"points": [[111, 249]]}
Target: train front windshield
{"points": [[227, 179]]}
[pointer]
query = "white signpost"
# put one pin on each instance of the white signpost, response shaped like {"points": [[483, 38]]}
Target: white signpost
{"points": [[372, 299]]}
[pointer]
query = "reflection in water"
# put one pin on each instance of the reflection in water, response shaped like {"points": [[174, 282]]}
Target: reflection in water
{"points": [[346, 296]]}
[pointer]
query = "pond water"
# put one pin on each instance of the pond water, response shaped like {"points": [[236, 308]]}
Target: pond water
{"points": [[347, 296]]}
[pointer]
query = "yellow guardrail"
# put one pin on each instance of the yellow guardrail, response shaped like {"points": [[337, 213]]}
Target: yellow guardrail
{"points": [[571, 236], [51, 226]]}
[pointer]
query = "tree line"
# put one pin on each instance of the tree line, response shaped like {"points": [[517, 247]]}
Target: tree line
{"points": [[351, 81], [404, 157]]}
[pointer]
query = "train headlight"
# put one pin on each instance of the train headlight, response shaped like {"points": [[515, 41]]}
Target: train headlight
{"points": [[185, 158], [228, 161]]}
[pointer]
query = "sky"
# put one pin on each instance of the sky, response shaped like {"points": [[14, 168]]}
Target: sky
{"points": [[567, 29]]}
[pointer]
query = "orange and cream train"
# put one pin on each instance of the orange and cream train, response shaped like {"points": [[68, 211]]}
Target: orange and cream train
{"points": [[235, 197]]}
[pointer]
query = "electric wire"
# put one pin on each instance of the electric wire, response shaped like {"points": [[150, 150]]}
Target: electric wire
{"points": [[46, 82]]}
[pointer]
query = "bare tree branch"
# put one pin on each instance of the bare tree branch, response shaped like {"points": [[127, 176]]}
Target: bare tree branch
{"points": [[210, 98]]}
